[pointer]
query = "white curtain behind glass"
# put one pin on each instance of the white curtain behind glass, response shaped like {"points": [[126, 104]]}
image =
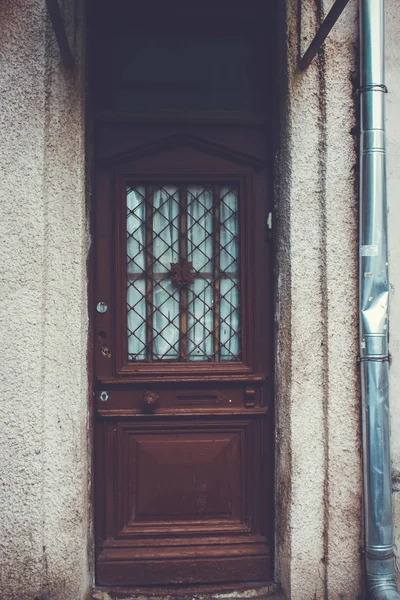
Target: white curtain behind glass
{"points": [[165, 252], [201, 293], [230, 341], [135, 202]]}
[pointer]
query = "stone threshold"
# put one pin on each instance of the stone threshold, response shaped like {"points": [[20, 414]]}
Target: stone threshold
{"points": [[267, 591]]}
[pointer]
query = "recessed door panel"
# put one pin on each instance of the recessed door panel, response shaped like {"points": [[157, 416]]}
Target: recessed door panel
{"points": [[187, 490], [188, 478], [182, 475]]}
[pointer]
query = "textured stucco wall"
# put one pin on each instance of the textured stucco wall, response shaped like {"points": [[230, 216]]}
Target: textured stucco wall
{"points": [[393, 169], [45, 518], [43, 311], [319, 468]]}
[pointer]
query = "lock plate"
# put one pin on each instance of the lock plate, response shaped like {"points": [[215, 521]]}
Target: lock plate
{"points": [[102, 307]]}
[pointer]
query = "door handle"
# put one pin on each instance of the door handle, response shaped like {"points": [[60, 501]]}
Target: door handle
{"points": [[150, 401]]}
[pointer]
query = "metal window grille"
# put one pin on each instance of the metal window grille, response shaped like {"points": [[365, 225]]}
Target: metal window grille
{"points": [[183, 276]]}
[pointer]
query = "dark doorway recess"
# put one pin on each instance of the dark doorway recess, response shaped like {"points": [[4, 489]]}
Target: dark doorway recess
{"points": [[182, 102]]}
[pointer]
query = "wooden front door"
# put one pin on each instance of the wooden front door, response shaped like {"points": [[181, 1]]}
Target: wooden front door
{"points": [[183, 352]]}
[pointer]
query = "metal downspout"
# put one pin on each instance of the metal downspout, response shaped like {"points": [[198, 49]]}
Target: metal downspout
{"points": [[374, 299]]}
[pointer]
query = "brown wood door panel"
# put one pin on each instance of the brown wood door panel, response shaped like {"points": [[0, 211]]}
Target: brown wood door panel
{"points": [[116, 144], [183, 447], [184, 494], [175, 484], [171, 159], [181, 571], [185, 400], [181, 476], [207, 549]]}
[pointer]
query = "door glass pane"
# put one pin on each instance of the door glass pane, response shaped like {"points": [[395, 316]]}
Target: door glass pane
{"points": [[201, 320], [135, 220], [165, 225], [183, 277], [230, 343], [137, 319], [165, 328]]}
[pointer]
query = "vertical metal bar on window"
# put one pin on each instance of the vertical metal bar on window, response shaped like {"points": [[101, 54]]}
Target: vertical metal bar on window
{"points": [[149, 191], [217, 271], [183, 316]]}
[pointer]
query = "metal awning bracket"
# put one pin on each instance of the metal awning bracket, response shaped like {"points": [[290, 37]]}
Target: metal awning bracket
{"points": [[322, 33], [57, 21]]}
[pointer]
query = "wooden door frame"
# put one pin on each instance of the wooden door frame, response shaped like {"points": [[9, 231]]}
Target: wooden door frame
{"points": [[232, 119]]}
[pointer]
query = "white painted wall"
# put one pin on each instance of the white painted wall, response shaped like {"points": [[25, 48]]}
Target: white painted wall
{"points": [[43, 312]]}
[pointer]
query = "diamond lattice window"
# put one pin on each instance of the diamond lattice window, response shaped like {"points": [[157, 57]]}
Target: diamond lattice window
{"points": [[183, 288]]}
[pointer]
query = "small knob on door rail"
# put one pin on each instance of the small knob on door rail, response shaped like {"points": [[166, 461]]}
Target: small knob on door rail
{"points": [[150, 401]]}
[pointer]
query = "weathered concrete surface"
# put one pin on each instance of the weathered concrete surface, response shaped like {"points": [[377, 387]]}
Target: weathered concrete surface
{"points": [[393, 169], [43, 312], [319, 469], [269, 592]]}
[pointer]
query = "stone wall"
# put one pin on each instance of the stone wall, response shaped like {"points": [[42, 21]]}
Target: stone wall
{"points": [[318, 426], [44, 517]]}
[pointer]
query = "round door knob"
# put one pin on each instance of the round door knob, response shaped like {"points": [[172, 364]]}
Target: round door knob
{"points": [[150, 401]]}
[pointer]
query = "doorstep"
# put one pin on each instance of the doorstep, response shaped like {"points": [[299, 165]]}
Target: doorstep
{"points": [[267, 591]]}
